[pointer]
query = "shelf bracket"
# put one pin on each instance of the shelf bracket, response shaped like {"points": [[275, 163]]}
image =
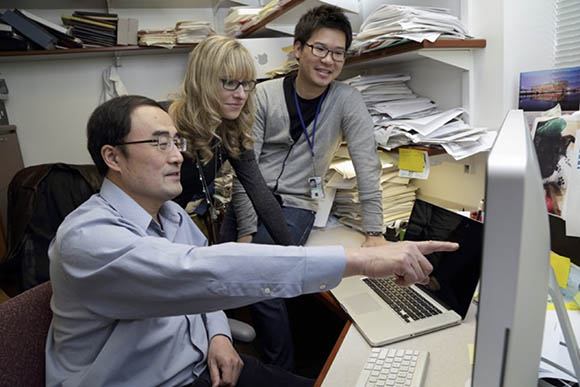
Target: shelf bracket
{"points": [[460, 58], [118, 60]]}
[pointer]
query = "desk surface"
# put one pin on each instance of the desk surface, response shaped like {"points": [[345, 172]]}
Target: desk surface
{"points": [[448, 348]]}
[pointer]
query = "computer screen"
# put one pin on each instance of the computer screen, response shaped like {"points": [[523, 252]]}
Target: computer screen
{"points": [[515, 264]]}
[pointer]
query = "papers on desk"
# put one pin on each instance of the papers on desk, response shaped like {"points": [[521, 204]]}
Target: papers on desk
{"points": [[398, 194], [554, 346], [390, 24]]}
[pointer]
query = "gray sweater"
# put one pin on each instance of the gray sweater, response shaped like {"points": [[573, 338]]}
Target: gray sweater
{"points": [[343, 116]]}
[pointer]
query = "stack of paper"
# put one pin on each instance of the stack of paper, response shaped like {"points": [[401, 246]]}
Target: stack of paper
{"points": [[264, 12], [443, 128], [390, 24], [403, 118], [290, 65], [160, 38], [237, 18], [192, 31], [398, 193]]}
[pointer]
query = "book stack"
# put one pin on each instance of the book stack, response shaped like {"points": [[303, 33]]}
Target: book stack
{"points": [[25, 30], [95, 29], [11, 41]]}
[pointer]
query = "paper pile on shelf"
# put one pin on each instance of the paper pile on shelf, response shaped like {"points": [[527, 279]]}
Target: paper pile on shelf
{"points": [[264, 12], [237, 18], [192, 31], [184, 32], [290, 65], [159, 38], [398, 193], [403, 118], [390, 24]]}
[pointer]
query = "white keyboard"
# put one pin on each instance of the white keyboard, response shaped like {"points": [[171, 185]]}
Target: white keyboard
{"points": [[394, 367]]}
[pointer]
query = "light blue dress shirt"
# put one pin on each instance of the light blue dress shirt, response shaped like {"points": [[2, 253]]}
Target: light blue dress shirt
{"points": [[128, 295]]}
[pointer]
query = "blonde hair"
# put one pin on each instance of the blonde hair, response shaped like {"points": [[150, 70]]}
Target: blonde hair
{"points": [[196, 109]]}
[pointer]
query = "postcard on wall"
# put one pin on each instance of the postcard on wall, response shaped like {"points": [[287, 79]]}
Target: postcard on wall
{"points": [[572, 202], [554, 140], [542, 90]]}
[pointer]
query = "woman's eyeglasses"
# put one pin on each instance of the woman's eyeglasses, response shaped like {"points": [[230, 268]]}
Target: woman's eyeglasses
{"points": [[232, 84]]}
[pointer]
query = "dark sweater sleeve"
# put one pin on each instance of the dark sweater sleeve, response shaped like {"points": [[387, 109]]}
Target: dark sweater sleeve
{"points": [[267, 207]]}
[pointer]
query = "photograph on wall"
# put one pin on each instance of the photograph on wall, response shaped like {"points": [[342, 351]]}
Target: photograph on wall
{"points": [[554, 139], [542, 90]]}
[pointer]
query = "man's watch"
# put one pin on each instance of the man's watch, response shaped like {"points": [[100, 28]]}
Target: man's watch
{"points": [[374, 233]]}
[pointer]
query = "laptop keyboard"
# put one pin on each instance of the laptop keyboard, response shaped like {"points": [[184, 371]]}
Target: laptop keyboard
{"points": [[408, 304], [394, 367]]}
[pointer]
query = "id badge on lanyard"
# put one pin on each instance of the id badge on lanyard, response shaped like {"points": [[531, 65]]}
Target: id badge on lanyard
{"points": [[314, 182]]}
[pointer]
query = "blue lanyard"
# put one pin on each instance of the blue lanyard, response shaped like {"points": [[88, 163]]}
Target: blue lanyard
{"points": [[310, 143]]}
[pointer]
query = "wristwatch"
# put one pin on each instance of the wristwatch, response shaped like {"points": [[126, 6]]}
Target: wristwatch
{"points": [[374, 233]]}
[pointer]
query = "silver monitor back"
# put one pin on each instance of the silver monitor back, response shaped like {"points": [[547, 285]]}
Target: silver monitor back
{"points": [[515, 266]]}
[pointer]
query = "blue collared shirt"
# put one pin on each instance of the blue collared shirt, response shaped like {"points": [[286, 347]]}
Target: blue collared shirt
{"points": [[128, 294]]}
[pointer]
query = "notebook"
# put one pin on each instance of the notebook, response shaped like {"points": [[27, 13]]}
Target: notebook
{"points": [[447, 296]]}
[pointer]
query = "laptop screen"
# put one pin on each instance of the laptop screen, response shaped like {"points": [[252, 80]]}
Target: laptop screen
{"points": [[455, 274]]}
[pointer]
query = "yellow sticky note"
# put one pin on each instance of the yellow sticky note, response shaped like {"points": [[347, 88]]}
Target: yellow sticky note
{"points": [[411, 160], [577, 299], [561, 266], [471, 349], [569, 306]]}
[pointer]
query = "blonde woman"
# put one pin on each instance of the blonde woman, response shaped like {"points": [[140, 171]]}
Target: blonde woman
{"points": [[215, 113]]}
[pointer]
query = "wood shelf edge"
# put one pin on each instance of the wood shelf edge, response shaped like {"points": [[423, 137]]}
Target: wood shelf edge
{"points": [[414, 46], [332, 355], [91, 50], [273, 16]]}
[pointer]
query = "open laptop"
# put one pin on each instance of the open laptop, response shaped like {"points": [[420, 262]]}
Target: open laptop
{"points": [[446, 298]]}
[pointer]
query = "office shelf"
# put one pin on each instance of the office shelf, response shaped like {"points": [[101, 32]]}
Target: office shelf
{"points": [[106, 4], [282, 21], [6, 56], [456, 52], [256, 28]]}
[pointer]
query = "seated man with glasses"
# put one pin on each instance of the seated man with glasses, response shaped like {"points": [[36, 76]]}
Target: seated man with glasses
{"points": [[137, 293], [300, 122]]}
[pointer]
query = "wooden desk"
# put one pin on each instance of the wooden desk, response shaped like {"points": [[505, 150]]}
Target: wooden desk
{"points": [[448, 349]]}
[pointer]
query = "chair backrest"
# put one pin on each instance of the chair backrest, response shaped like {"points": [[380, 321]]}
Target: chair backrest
{"points": [[24, 323], [39, 198]]}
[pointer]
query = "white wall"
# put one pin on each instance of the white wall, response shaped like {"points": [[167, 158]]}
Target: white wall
{"points": [[51, 100]]}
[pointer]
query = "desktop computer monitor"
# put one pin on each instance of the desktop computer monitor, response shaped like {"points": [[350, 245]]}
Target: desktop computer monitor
{"points": [[515, 265]]}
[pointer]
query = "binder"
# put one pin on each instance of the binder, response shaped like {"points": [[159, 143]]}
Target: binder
{"points": [[132, 32], [29, 29]]}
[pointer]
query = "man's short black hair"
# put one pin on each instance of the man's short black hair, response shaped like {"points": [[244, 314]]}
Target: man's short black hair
{"points": [[110, 123], [324, 16]]}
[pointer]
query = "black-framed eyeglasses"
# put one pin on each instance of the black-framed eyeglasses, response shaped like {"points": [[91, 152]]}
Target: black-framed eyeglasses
{"points": [[233, 84], [164, 143], [321, 52]]}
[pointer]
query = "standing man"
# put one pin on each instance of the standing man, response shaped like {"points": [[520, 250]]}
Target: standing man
{"points": [[137, 294], [300, 122]]}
